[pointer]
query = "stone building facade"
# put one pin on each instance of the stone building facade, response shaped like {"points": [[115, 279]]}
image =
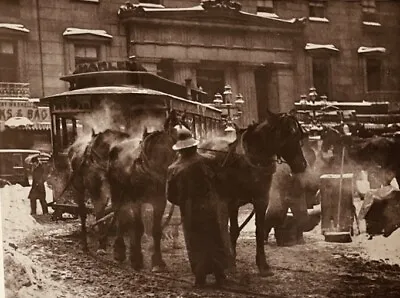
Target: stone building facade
{"points": [[270, 51]]}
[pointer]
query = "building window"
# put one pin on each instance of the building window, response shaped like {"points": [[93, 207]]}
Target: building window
{"points": [[211, 81], [317, 9], [86, 54], [373, 73], [8, 61], [266, 6], [321, 75], [369, 10], [10, 8]]}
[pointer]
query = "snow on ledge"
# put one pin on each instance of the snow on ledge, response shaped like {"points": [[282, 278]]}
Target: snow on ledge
{"points": [[362, 50], [16, 27], [317, 19], [150, 5], [78, 31], [314, 46], [267, 15], [376, 24]]}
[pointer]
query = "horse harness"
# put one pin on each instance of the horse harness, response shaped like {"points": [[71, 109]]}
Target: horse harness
{"points": [[92, 155]]}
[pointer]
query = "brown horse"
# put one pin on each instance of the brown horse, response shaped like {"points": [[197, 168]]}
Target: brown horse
{"points": [[245, 168], [137, 175], [89, 165]]}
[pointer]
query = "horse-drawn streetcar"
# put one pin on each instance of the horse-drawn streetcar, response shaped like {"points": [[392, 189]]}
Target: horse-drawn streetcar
{"points": [[119, 96], [123, 96]]}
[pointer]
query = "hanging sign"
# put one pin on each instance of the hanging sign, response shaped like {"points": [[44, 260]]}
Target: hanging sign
{"points": [[11, 108]]}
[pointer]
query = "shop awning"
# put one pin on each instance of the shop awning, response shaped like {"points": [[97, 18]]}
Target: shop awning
{"points": [[79, 31]]}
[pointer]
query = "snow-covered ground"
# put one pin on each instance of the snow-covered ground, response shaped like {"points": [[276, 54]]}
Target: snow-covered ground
{"points": [[22, 276], [25, 277]]}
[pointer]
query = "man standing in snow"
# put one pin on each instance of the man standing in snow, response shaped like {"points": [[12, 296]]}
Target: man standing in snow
{"points": [[38, 191], [191, 186]]}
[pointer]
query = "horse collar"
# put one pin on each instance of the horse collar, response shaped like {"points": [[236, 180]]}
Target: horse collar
{"points": [[241, 149]]}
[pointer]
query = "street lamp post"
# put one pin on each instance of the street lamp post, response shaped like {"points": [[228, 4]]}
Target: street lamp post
{"points": [[224, 102]]}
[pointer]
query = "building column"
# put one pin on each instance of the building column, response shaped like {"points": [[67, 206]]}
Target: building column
{"points": [[286, 86], [246, 85], [183, 71]]}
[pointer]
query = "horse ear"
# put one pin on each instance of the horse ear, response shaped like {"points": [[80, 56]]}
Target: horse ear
{"points": [[93, 133], [270, 116], [145, 133]]}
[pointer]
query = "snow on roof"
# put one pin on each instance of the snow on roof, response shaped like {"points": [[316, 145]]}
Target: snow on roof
{"points": [[16, 27], [158, 7], [314, 46], [269, 16], [79, 31], [371, 50], [149, 8]]}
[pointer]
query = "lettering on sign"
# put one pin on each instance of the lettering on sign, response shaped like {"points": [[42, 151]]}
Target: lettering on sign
{"points": [[9, 109], [72, 104]]}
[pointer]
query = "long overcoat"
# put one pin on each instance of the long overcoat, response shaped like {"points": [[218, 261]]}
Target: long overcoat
{"points": [[191, 186], [38, 178]]}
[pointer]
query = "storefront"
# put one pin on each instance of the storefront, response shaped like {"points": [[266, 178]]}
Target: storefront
{"points": [[33, 129]]}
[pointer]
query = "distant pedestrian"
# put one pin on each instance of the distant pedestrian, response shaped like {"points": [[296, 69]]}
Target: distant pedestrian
{"points": [[191, 185], [38, 190]]}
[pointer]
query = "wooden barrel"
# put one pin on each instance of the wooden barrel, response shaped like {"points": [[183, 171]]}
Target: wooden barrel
{"points": [[333, 219]]}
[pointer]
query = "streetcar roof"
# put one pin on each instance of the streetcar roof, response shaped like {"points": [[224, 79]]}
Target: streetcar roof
{"points": [[120, 90], [30, 151]]}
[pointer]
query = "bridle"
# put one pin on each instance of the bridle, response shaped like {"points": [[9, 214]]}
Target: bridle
{"points": [[95, 157], [247, 156]]}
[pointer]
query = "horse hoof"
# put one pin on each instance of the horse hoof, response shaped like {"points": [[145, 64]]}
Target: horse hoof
{"points": [[266, 273], [158, 269], [101, 252]]}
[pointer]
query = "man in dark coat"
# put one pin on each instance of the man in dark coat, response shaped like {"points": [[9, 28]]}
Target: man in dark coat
{"points": [[191, 186], [38, 191]]}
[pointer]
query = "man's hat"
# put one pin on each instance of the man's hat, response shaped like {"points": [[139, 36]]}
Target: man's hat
{"points": [[185, 138]]}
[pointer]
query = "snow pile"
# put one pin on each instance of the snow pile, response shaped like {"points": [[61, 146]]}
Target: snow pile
{"points": [[21, 276], [15, 211], [380, 248]]}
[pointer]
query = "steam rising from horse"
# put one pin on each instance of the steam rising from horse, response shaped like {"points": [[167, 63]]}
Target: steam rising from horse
{"points": [[89, 174], [245, 168], [138, 176]]}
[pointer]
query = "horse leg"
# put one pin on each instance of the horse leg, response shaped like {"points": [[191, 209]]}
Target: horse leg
{"points": [[136, 232], [100, 208], [157, 261], [119, 243], [260, 209], [83, 215], [234, 228]]}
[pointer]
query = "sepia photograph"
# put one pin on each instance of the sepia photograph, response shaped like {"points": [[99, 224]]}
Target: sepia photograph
{"points": [[199, 148]]}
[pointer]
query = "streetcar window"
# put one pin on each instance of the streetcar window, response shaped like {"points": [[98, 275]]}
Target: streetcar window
{"points": [[198, 124], [17, 161], [190, 120]]}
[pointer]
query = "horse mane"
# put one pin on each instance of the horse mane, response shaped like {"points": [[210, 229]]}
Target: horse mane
{"points": [[114, 131]]}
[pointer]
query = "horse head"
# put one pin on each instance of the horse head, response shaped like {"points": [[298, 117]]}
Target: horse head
{"points": [[101, 143], [281, 135]]}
